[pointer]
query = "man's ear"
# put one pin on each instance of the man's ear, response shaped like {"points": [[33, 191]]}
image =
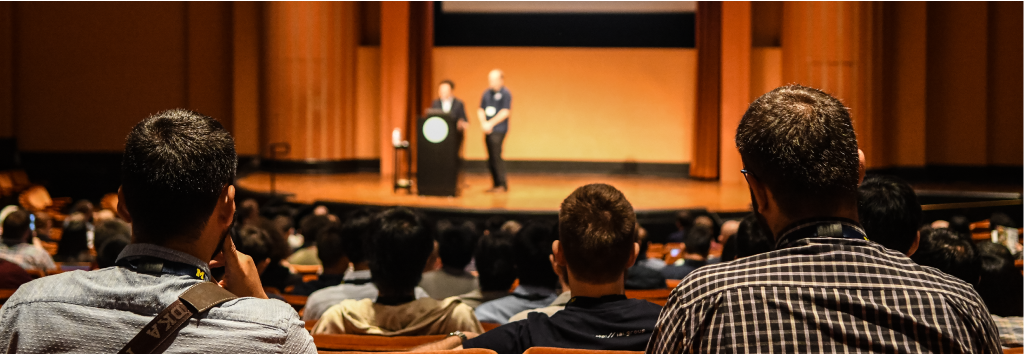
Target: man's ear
{"points": [[634, 255], [122, 208], [915, 245], [759, 192], [226, 205], [861, 167]]}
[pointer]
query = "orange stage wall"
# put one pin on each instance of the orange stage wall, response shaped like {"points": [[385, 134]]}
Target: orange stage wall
{"points": [[581, 104]]}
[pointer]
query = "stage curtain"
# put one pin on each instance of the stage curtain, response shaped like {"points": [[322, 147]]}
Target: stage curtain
{"points": [[704, 164], [421, 66]]}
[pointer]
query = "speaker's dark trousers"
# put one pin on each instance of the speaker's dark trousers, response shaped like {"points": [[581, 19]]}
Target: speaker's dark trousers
{"points": [[494, 161]]}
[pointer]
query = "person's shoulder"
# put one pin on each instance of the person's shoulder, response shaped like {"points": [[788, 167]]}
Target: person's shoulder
{"points": [[51, 288], [263, 312]]}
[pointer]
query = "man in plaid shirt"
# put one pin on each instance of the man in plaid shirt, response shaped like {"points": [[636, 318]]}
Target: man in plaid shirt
{"points": [[826, 287]]}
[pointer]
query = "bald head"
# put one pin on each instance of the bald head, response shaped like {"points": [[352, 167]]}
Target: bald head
{"points": [[496, 79], [729, 228]]}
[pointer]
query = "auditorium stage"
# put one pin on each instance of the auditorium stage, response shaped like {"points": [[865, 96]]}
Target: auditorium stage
{"points": [[532, 193]]}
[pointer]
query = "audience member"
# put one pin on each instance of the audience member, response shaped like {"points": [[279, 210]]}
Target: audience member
{"points": [[511, 227], [73, 246], [309, 227], [357, 284], [1001, 284], [559, 304], [248, 213], [109, 229], [729, 228], [802, 164], [961, 225], [455, 248], [176, 172], [695, 254], [399, 243], [890, 213], [83, 207], [644, 274], [333, 255], [597, 244], [16, 246], [12, 276], [495, 267], [753, 238], [494, 223], [277, 275], [537, 282], [106, 255], [642, 259], [684, 221], [945, 250], [44, 223]]}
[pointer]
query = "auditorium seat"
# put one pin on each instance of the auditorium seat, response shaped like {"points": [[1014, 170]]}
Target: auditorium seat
{"points": [[550, 350], [310, 324], [6, 294], [672, 283], [1017, 350], [306, 269], [297, 301], [489, 325], [371, 343]]}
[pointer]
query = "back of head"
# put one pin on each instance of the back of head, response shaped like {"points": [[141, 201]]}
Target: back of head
{"points": [[494, 261], [597, 229], [698, 240], [684, 219], [354, 232], [329, 246], [74, 239], [255, 242], [16, 227], [531, 249], [752, 238], [110, 229], [398, 246], [1000, 285], [494, 223], [945, 250], [248, 212], [455, 246], [962, 225], [311, 225], [800, 143], [1001, 219], [889, 212], [43, 221], [83, 206], [174, 167], [106, 253]]}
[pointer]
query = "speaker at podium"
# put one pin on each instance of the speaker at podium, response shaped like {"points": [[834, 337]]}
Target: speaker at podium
{"points": [[437, 154]]}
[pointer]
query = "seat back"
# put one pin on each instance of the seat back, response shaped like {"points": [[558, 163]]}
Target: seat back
{"points": [[657, 296], [461, 351], [550, 350], [489, 325], [371, 343]]}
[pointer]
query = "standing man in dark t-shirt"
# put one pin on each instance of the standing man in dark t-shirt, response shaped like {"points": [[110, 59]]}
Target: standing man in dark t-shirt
{"points": [[495, 109]]}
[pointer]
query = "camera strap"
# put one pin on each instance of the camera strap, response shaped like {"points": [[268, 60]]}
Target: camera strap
{"points": [[197, 299]]}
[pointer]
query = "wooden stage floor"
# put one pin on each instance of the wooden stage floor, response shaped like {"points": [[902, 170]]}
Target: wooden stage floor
{"points": [[527, 193]]}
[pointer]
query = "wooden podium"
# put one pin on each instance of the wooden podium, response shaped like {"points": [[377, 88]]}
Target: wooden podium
{"points": [[437, 154]]}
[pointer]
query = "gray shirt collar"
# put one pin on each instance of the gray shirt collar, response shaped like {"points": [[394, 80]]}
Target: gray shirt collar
{"points": [[136, 250]]}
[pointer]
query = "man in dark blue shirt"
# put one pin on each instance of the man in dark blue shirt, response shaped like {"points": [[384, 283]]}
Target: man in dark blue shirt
{"points": [[495, 109], [597, 232]]}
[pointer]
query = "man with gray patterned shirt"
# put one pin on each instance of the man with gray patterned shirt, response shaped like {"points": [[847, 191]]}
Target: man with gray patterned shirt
{"points": [[177, 172], [825, 287]]}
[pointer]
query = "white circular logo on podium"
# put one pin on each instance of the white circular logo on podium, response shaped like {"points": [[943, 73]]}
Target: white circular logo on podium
{"points": [[435, 129]]}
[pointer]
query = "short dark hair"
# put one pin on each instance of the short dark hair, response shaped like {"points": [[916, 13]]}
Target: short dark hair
{"points": [[248, 211], [531, 247], [311, 225], [16, 226], [945, 250], [106, 254], [83, 206], [1000, 284], [752, 238], [961, 225], [329, 246], [455, 246], [698, 240], [110, 229], [354, 233], [494, 261], [597, 229], [889, 212], [43, 220], [684, 219], [799, 141], [399, 244], [74, 239], [449, 82], [255, 242], [175, 165]]}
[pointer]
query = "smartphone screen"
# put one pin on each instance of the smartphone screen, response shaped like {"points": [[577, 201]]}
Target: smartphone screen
{"points": [[32, 222], [674, 252]]}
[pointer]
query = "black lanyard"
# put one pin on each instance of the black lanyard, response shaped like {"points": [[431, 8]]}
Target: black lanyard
{"points": [[147, 264], [823, 227]]}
